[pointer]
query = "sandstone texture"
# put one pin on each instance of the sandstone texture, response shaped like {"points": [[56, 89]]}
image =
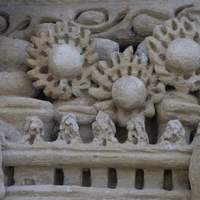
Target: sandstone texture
{"points": [[99, 100]]}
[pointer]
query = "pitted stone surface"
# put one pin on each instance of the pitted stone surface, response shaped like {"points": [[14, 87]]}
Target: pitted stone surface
{"points": [[129, 92], [65, 61]]}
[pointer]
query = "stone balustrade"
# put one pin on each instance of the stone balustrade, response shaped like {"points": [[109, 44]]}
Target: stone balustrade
{"points": [[143, 172]]}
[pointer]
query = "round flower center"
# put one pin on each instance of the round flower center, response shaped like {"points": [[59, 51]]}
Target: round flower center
{"points": [[183, 55], [129, 92], [65, 61]]}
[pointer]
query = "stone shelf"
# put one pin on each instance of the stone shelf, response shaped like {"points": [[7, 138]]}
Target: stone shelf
{"points": [[127, 155]]}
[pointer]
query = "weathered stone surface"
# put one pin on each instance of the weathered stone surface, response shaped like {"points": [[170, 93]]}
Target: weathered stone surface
{"points": [[194, 168], [141, 49], [174, 134], [13, 54], [133, 89], [24, 107], [8, 133], [105, 47], [72, 176], [60, 61], [43, 29], [16, 84], [179, 106], [34, 176], [69, 129], [104, 102], [183, 56], [144, 24], [176, 38], [104, 128], [65, 61], [34, 129], [3, 24], [2, 186], [91, 18]]}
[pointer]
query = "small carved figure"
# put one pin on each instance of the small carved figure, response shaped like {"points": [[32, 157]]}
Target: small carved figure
{"points": [[104, 128], [34, 129], [175, 133], [69, 128], [136, 131]]}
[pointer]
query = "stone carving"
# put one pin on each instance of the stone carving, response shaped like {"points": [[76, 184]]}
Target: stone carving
{"points": [[3, 24], [136, 131], [123, 26], [84, 75], [8, 133], [23, 107], [14, 80], [104, 129], [59, 60], [144, 24], [174, 52], [174, 134], [34, 129], [132, 25], [92, 17], [191, 12], [173, 106], [69, 129], [127, 76], [194, 167], [15, 49], [105, 47], [81, 57]]}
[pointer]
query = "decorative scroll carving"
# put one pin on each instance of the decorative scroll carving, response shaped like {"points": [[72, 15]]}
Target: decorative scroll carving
{"points": [[69, 129], [34, 129], [92, 17]]}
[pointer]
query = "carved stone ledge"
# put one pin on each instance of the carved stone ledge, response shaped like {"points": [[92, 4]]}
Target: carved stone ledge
{"points": [[78, 193], [95, 155]]}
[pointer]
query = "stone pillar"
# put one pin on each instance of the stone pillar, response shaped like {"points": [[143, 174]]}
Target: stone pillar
{"points": [[2, 187], [180, 179], [194, 175], [72, 176], [126, 178], [34, 175], [99, 177], [153, 178]]}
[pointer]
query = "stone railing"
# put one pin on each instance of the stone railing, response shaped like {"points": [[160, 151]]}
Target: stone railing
{"points": [[77, 171]]}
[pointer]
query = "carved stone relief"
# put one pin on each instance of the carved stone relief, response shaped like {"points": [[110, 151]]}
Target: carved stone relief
{"points": [[90, 96]]}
